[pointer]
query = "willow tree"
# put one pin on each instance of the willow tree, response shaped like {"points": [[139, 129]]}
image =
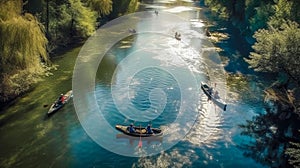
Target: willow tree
{"points": [[22, 48]]}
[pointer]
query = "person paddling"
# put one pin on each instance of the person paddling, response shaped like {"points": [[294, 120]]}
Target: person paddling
{"points": [[149, 130], [61, 99], [131, 129]]}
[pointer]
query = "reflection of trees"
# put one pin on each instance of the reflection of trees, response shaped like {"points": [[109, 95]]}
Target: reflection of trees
{"points": [[277, 139], [248, 85], [115, 55]]}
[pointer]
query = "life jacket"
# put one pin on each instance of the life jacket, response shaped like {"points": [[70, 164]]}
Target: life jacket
{"points": [[62, 99], [131, 129]]}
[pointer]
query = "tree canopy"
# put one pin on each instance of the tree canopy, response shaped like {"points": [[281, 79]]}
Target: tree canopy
{"points": [[24, 44], [103, 7], [69, 20], [22, 47], [277, 50], [274, 24], [252, 15]]}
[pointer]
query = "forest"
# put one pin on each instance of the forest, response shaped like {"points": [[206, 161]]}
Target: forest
{"points": [[33, 31], [272, 28]]}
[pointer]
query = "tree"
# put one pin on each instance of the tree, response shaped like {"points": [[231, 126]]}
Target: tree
{"points": [[70, 19], [83, 20], [103, 7], [23, 43], [261, 17], [283, 9], [293, 151], [277, 49], [22, 48]]}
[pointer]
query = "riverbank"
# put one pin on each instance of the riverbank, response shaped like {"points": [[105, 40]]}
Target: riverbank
{"points": [[229, 40], [276, 125], [50, 74]]}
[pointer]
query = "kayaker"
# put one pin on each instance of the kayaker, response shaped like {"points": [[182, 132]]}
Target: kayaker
{"points": [[149, 130], [131, 129], [61, 99], [210, 92], [216, 95]]}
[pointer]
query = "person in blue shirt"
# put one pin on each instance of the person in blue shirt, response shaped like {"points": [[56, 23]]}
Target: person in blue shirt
{"points": [[131, 129], [149, 130]]}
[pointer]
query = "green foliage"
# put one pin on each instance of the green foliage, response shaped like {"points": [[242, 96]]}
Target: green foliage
{"points": [[277, 49], [10, 9], [121, 7], [22, 48], [70, 19], [133, 6], [260, 19], [282, 13], [23, 43], [59, 24], [253, 15], [218, 6], [293, 151], [103, 7], [84, 19]]}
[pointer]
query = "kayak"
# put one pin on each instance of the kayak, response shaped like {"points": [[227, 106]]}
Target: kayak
{"points": [[140, 131], [217, 100], [56, 105]]}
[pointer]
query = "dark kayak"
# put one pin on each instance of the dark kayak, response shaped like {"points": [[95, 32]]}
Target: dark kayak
{"points": [[217, 100], [140, 131], [56, 105]]}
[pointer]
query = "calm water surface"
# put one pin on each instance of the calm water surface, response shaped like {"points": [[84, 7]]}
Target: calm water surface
{"points": [[27, 139]]}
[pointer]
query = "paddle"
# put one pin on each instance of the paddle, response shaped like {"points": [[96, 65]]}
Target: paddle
{"points": [[140, 142]]}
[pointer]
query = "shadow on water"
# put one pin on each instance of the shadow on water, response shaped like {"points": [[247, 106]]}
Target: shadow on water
{"points": [[233, 45], [267, 135], [270, 133], [111, 59]]}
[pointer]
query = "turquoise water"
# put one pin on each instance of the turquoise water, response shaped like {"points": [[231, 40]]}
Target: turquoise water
{"points": [[29, 140]]}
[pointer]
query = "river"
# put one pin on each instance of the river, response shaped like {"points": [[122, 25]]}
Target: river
{"points": [[29, 139]]}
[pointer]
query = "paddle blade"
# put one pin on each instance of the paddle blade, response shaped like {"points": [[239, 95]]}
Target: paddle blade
{"points": [[140, 143]]}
